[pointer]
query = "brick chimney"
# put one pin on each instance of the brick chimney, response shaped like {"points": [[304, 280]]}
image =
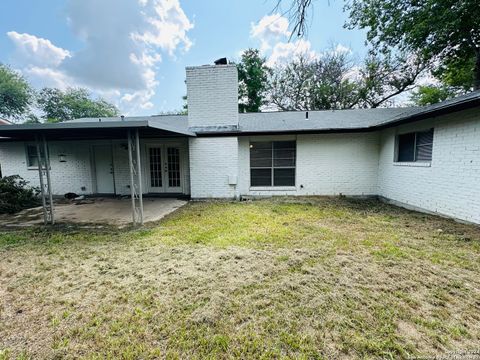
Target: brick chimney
{"points": [[212, 95]]}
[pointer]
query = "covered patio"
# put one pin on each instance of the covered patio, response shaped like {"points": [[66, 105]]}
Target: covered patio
{"points": [[95, 211], [151, 154]]}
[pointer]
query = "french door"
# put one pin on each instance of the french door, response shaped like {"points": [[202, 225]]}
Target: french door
{"points": [[164, 169]]}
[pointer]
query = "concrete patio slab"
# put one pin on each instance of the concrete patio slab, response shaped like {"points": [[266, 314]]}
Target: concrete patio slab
{"points": [[110, 211]]}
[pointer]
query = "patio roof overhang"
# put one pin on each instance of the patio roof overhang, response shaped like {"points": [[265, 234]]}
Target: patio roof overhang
{"points": [[90, 130], [132, 131]]}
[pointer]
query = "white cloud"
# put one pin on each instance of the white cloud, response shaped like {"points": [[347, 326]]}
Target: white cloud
{"points": [[273, 33], [36, 51], [169, 26], [123, 42], [48, 77], [270, 29], [283, 52], [342, 49]]}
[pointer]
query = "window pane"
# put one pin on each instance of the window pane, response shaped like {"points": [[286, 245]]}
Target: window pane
{"points": [[279, 155], [425, 137], [284, 153], [284, 157], [284, 162], [261, 154], [406, 144], [260, 158], [284, 177], [155, 167], [284, 145], [173, 161], [424, 153], [32, 150], [32, 160], [424, 146], [261, 145], [261, 177]]}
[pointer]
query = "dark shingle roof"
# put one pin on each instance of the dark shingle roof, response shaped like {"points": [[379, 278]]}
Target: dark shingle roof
{"points": [[338, 120], [317, 120], [258, 123], [174, 123]]}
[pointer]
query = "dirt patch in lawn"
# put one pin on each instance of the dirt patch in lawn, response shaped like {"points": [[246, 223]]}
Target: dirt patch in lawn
{"points": [[307, 278]]}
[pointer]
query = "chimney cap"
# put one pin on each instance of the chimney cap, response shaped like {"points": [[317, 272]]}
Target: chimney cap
{"points": [[221, 61]]}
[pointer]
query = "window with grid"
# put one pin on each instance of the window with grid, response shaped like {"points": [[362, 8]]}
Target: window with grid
{"points": [[155, 167], [272, 163], [32, 158], [173, 167], [415, 146]]}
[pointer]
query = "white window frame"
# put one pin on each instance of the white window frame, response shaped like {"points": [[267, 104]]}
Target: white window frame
{"points": [[273, 167], [27, 157], [415, 161]]}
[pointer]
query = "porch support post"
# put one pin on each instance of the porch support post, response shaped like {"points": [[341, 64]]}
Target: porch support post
{"points": [[135, 177], [139, 176], [132, 182], [40, 176], [45, 188], [49, 182]]}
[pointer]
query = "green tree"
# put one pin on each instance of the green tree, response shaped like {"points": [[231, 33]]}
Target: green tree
{"points": [[333, 81], [383, 77], [444, 34], [428, 95], [326, 83], [184, 110], [58, 105], [253, 76], [15, 93]]}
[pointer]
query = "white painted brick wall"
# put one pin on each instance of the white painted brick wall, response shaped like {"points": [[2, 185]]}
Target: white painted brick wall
{"points": [[451, 185], [212, 161], [120, 165], [212, 95], [69, 176], [77, 171], [327, 164]]}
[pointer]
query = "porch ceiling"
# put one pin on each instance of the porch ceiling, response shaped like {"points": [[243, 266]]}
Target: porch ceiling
{"points": [[90, 130]]}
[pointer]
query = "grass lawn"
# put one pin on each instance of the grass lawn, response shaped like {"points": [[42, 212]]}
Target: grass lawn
{"points": [[305, 278]]}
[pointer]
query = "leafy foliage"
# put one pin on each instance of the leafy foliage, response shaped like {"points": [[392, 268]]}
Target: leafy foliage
{"points": [[333, 81], [443, 32], [184, 110], [58, 105], [384, 77], [314, 84], [253, 76], [428, 95], [15, 195], [15, 93]]}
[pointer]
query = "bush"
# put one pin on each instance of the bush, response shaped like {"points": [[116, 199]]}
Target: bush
{"points": [[15, 195]]}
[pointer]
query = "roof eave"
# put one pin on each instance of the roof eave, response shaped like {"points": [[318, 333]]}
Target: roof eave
{"points": [[431, 113], [11, 132]]}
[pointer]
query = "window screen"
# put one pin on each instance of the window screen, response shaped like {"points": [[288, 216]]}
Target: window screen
{"points": [[272, 163], [424, 146], [32, 158], [416, 146]]}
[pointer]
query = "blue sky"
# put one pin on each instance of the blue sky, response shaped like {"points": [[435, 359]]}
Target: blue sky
{"points": [[134, 52]]}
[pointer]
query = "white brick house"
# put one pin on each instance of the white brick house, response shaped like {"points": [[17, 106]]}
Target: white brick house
{"points": [[424, 158]]}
